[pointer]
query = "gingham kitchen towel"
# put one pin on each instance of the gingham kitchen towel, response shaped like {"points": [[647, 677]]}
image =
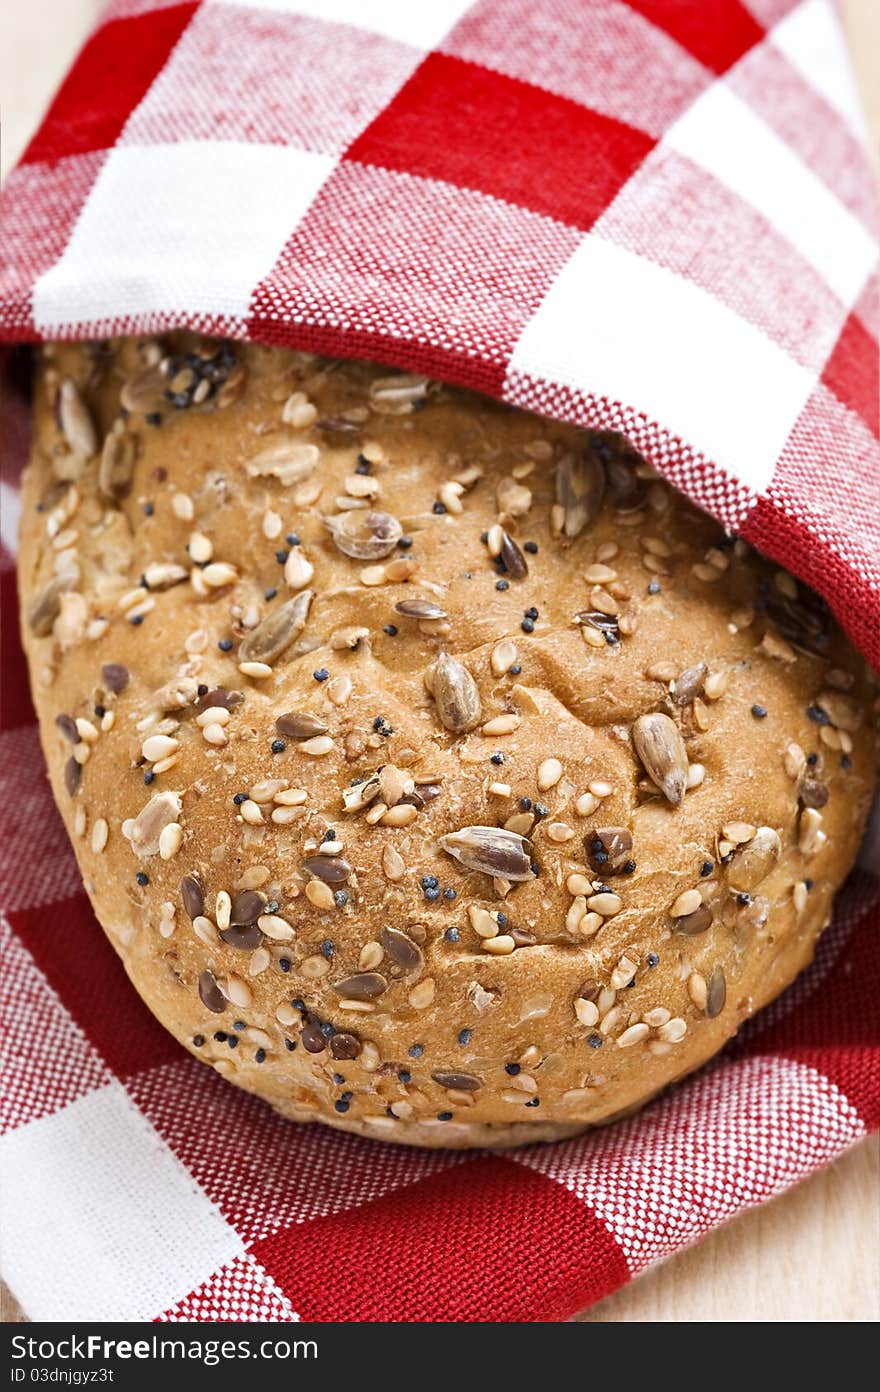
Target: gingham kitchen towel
{"points": [[654, 215]]}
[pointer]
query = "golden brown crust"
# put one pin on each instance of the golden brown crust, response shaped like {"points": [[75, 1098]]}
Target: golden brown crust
{"points": [[653, 755]]}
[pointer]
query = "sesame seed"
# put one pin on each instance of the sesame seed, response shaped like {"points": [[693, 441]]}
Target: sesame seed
{"points": [[464, 1037], [416, 1050], [292, 539], [759, 712], [527, 626], [444, 1116], [531, 547], [594, 1041], [502, 584], [497, 758], [320, 674], [391, 629], [652, 959], [439, 508], [142, 879], [270, 593], [198, 1040], [225, 645], [451, 935], [260, 1056], [817, 715], [278, 746], [450, 894], [706, 869]]}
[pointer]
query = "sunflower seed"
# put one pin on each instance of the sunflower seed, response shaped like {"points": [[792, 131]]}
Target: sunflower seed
{"points": [[144, 392], [397, 396], [46, 608], [420, 609], [365, 536], [144, 830], [72, 775], [491, 850], [355, 799], [364, 986], [116, 469], [752, 862], [812, 793], [512, 558], [289, 462], [661, 749], [275, 634], [77, 426], [689, 684], [455, 694], [580, 488], [843, 711], [716, 993]]}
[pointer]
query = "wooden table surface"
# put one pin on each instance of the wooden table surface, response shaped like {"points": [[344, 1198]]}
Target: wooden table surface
{"points": [[814, 1253]]}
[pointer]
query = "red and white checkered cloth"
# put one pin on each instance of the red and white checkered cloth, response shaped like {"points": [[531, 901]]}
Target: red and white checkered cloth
{"points": [[655, 215]]}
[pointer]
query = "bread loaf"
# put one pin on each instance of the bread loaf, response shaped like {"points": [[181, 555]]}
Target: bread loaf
{"points": [[437, 771]]}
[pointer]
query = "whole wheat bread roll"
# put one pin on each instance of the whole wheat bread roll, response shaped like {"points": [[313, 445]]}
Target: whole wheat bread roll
{"points": [[437, 771]]}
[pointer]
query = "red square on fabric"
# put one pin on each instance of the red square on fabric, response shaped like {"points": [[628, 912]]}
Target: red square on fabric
{"points": [[69, 946], [16, 708], [853, 372], [89, 111], [717, 32], [461, 123], [493, 1224]]}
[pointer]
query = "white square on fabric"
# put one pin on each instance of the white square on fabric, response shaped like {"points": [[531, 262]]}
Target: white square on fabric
{"points": [[810, 36], [622, 327], [421, 23], [188, 228], [722, 135], [98, 1218]]}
